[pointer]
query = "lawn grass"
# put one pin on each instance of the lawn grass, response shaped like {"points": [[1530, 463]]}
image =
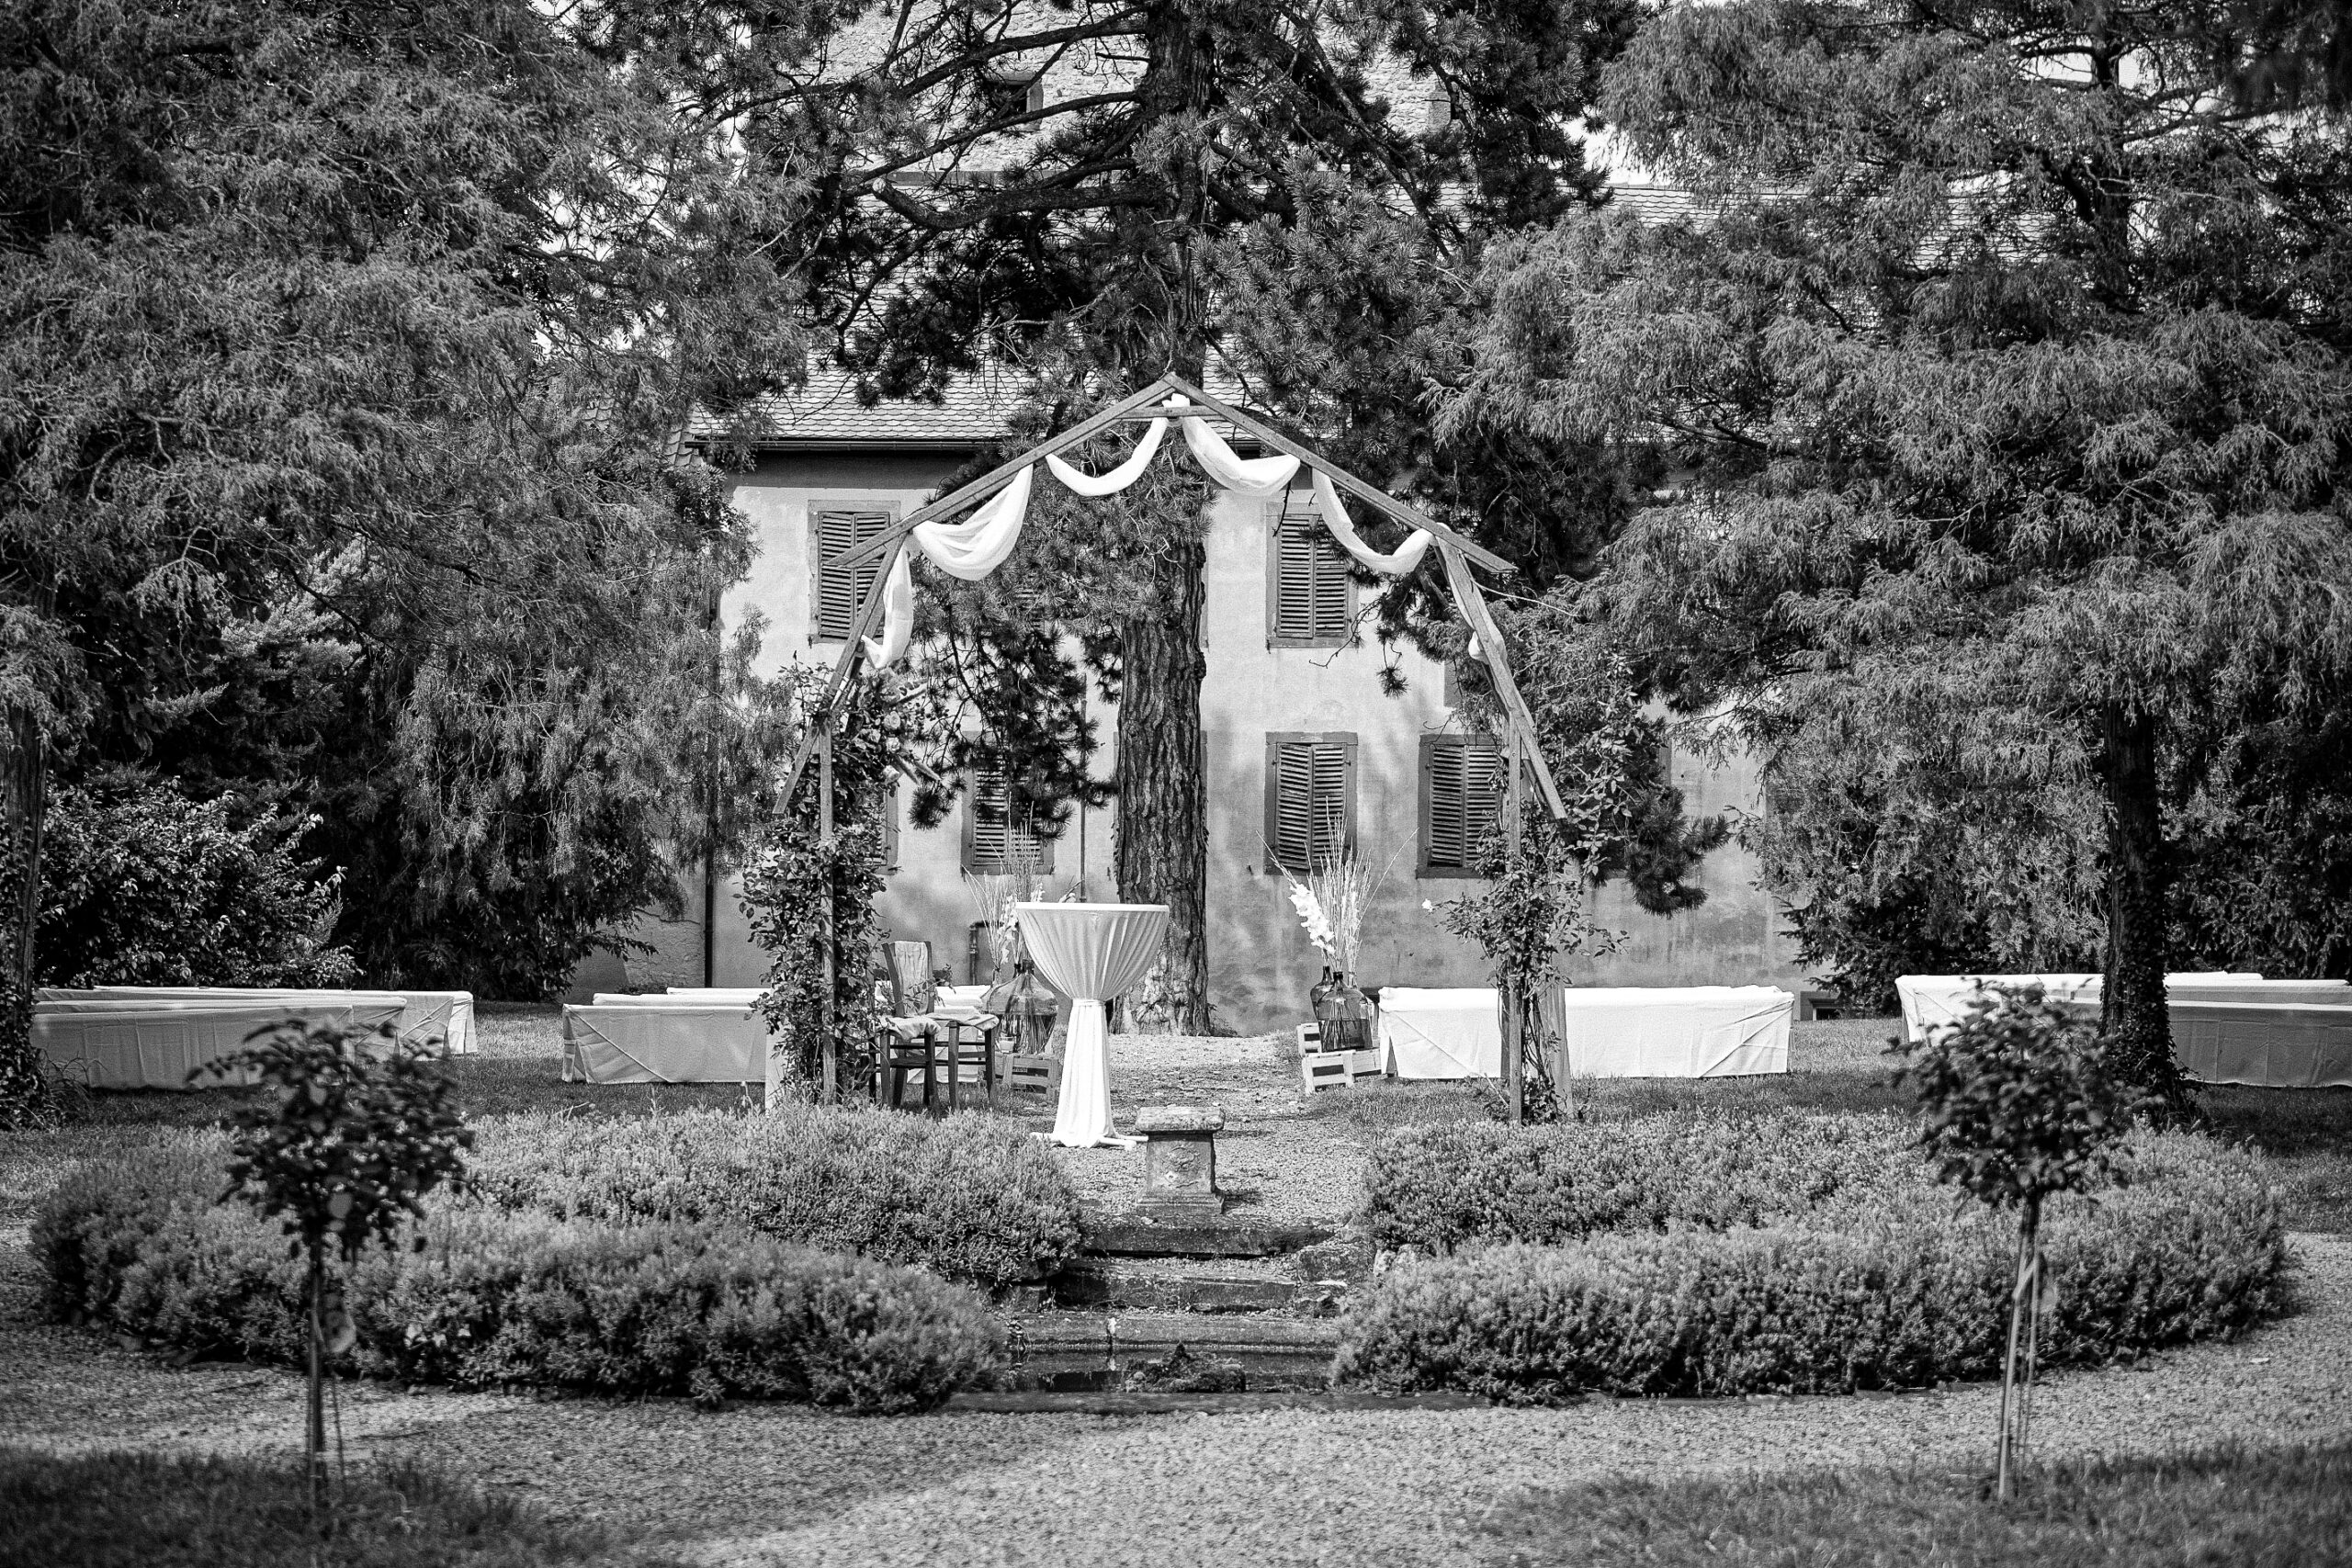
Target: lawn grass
{"points": [[146, 1510], [2247, 1508]]}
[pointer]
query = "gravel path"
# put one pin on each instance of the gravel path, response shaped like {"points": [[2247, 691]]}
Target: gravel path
{"points": [[774, 1484]]}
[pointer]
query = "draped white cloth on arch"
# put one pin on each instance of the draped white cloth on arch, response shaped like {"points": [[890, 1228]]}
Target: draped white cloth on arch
{"points": [[977, 546]]}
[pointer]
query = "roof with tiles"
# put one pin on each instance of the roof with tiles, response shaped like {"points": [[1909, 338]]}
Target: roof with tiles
{"points": [[825, 413]]}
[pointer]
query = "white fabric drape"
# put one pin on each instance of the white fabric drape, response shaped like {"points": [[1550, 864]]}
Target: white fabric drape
{"points": [[1250, 476], [977, 546], [1396, 563], [1092, 952], [898, 615], [1118, 478]]}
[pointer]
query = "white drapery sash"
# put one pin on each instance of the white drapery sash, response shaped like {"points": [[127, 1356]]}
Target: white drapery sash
{"points": [[1396, 563], [1118, 478], [897, 614], [977, 546], [1250, 476]]}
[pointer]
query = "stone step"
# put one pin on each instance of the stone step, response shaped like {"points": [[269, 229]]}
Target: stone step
{"points": [[1111, 1403], [1112, 1283], [1138, 1236], [1073, 1351]]}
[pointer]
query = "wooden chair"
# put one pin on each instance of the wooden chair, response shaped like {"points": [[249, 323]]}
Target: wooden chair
{"points": [[915, 1038]]}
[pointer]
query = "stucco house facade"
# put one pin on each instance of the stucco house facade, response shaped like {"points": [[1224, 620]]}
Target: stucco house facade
{"points": [[1299, 738]]}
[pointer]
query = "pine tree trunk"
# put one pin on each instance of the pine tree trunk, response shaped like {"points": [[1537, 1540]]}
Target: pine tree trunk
{"points": [[1161, 855], [25, 1098], [2139, 888], [1160, 852]]}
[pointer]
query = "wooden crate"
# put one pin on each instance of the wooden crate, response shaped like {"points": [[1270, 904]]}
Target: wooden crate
{"points": [[1040, 1075]]}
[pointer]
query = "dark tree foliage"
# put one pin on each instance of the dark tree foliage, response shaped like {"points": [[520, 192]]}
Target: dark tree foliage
{"points": [[346, 348], [2007, 365], [144, 887]]}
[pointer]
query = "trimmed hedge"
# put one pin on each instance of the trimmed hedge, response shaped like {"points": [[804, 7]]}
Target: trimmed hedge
{"points": [[496, 1296], [1439, 1188], [960, 1197], [1889, 1283]]}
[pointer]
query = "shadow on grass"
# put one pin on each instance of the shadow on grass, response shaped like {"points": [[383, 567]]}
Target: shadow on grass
{"points": [[2250, 1508], [2305, 1139], [145, 1510]]}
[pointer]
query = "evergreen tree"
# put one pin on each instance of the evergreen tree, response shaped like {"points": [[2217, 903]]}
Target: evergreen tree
{"points": [[1125, 145], [2008, 367], [348, 337]]}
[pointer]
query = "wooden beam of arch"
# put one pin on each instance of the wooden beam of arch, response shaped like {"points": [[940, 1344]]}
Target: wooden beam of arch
{"points": [[1456, 551], [1472, 607]]}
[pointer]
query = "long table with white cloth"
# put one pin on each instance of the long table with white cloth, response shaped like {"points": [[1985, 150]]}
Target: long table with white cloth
{"points": [[2226, 1027], [164, 1043], [1931, 1000], [426, 1018], [622, 1038], [1679, 1032]]}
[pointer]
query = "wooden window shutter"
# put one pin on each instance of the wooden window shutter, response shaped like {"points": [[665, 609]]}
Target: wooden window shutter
{"points": [[1311, 602], [988, 821], [889, 810], [839, 592], [1463, 783], [1310, 799], [992, 840]]}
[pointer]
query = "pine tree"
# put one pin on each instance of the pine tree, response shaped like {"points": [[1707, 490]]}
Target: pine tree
{"points": [[2007, 369], [1126, 144]]}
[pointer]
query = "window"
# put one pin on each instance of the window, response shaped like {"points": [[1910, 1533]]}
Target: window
{"points": [[1463, 781], [836, 592], [1310, 800], [886, 813], [994, 844], [1034, 99], [1309, 601]]}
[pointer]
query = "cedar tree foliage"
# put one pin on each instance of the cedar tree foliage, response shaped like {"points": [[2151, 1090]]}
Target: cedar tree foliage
{"points": [[348, 343], [2007, 366]]}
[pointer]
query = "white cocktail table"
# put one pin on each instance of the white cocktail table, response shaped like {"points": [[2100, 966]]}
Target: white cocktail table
{"points": [[1093, 954]]}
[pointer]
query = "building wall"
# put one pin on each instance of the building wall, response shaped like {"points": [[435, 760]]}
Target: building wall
{"points": [[1260, 961]]}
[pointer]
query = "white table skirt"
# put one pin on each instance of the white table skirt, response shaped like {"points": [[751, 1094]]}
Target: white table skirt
{"points": [[2271, 1044], [1930, 1001], [1679, 1032], [1450, 1033], [106, 1044], [644, 1042], [420, 1016], [1093, 954]]}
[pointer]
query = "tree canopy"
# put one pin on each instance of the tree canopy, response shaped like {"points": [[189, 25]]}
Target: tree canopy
{"points": [[2003, 371], [345, 349]]}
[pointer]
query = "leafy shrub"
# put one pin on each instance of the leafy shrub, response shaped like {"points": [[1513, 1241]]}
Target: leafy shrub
{"points": [[1439, 1188], [141, 886], [1898, 1291], [495, 1296], [960, 1197]]}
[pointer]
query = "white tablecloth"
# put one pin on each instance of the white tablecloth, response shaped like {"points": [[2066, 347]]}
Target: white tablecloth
{"points": [[118, 1045], [420, 1016], [1093, 953], [1930, 1001], [658, 1040], [1679, 1032], [1456, 1032], [2274, 1045]]}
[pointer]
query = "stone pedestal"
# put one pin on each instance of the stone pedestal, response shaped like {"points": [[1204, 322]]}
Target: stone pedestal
{"points": [[1180, 1162]]}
